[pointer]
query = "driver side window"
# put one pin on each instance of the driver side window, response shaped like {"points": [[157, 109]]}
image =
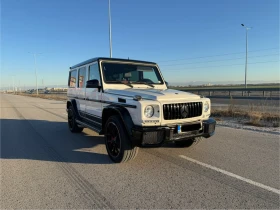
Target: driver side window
{"points": [[94, 72], [151, 76]]}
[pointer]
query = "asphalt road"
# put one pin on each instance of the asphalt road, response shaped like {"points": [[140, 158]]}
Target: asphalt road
{"points": [[44, 165]]}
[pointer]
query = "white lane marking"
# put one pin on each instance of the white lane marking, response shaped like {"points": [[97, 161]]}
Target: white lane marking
{"points": [[232, 175]]}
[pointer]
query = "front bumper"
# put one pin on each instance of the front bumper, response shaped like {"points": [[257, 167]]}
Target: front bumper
{"points": [[155, 136]]}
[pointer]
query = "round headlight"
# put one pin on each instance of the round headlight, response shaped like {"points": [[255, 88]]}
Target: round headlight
{"points": [[149, 111], [206, 106]]}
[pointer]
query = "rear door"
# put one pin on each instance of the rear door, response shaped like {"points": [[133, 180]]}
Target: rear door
{"points": [[72, 82], [94, 96], [81, 89]]}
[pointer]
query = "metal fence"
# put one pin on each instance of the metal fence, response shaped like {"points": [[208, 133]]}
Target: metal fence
{"points": [[248, 92]]}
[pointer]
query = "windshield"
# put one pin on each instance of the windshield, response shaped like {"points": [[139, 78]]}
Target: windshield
{"points": [[130, 73]]}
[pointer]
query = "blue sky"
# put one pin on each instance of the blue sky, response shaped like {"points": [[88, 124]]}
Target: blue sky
{"points": [[192, 40]]}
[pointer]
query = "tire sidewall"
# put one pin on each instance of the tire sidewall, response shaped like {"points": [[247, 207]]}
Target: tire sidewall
{"points": [[70, 110], [122, 136]]}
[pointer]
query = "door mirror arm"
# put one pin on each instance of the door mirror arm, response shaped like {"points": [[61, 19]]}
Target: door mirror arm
{"points": [[94, 83], [99, 88]]}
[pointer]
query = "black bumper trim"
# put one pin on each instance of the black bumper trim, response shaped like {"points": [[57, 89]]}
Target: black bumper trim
{"points": [[155, 136]]}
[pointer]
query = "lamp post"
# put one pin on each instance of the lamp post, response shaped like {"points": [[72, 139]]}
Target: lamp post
{"points": [[246, 60], [110, 29], [35, 62], [14, 84]]}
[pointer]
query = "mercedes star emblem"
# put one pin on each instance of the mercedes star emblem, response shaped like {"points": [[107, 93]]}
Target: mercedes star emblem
{"points": [[184, 111]]}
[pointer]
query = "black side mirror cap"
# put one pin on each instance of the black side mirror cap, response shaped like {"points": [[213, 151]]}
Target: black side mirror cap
{"points": [[94, 83]]}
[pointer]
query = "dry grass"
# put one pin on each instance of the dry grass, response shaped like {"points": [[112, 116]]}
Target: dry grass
{"points": [[256, 115], [254, 118], [59, 97]]}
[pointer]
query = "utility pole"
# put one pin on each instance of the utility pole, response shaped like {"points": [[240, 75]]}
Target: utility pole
{"points": [[14, 84], [246, 60], [110, 30], [35, 62]]}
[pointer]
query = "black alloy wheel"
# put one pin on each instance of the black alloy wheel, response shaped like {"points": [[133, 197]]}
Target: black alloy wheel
{"points": [[113, 139], [73, 126], [118, 144]]}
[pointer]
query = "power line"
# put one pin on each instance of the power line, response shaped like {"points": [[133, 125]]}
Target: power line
{"points": [[220, 66], [216, 55], [219, 60]]}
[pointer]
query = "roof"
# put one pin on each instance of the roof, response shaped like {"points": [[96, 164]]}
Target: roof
{"points": [[109, 59]]}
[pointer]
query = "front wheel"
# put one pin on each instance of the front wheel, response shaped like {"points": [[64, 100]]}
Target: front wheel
{"points": [[118, 145]]}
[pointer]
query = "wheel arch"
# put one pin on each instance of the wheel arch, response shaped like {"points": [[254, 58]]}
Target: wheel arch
{"points": [[73, 103], [122, 113]]}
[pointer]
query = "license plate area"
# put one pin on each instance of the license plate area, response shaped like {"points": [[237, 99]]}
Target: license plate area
{"points": [[187, 128]]}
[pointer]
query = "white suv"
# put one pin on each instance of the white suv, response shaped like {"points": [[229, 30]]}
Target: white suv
{"points": [[129, 102]]}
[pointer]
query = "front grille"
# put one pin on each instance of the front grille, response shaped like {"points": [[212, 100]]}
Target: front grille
{"points": [[182, 110]]}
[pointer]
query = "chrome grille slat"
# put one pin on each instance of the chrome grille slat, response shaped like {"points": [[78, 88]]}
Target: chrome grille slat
{"points": [[173, 111]]}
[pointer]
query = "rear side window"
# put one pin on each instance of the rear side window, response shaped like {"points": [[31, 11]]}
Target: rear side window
{"points": [[72, 79], [82, 77]]}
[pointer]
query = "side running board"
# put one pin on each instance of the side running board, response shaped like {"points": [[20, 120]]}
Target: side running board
{"points": [[97, 130]]}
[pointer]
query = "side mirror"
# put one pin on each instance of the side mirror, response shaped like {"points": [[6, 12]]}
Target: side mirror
{"points": [[94, 83]]}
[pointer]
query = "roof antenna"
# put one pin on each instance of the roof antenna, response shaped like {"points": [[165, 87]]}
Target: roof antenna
{"points": [[127, 58]]}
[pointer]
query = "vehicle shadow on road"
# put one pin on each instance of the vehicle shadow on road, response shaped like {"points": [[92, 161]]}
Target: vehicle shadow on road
{"points": [[50, 141]]}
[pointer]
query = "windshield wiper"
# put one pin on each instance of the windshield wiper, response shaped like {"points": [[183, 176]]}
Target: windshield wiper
{"points": [[146, 83], [119, 82]]}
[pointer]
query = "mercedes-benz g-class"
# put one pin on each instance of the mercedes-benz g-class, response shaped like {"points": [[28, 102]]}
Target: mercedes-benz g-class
{"points": [[128, 102]]}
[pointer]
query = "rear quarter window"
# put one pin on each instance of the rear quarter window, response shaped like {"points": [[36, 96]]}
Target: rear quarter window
{"points": [[82, 77], [72, 79]]}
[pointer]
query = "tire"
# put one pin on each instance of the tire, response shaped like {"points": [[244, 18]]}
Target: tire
{"points": [[118, 144], [188, 142], [73, 126]]}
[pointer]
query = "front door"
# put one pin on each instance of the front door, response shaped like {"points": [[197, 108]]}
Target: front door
{"points": [[93, 97]]}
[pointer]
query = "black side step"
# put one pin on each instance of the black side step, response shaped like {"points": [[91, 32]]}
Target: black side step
{"points": [[98, 130]]}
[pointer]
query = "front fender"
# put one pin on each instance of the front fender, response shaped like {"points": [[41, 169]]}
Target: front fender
{"points": [[122, 113]]}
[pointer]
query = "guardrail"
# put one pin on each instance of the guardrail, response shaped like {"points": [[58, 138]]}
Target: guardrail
{"points": [[244, 91]]}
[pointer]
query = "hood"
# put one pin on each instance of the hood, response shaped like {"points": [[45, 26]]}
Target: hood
{"points": [[154, 94]]}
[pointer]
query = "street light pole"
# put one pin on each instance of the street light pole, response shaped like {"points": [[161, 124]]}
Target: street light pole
{"points": [[246, 60], [110, 30], [36, 73], [14, 84], [35, 62]]}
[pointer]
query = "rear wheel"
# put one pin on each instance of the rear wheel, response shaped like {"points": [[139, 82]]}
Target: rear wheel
{"points": [[73, 126], [118, 145]]}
